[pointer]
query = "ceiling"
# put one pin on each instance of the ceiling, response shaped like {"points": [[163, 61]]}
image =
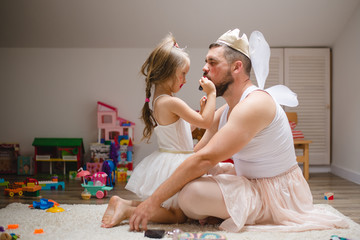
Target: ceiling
{"points": [[194, 23]]}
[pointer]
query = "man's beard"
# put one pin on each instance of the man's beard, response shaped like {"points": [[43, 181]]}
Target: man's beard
{"points": [[223, 86]]}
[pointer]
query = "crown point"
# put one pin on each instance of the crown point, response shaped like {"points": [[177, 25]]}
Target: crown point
{"points": [[232, 39]]}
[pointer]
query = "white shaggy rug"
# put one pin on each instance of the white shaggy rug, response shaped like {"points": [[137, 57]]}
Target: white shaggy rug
{"points": [[83, 222]]}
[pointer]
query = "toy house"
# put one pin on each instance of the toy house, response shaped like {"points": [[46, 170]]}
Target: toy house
{"points": [[117, 133], [110, 124], [55, 150]]}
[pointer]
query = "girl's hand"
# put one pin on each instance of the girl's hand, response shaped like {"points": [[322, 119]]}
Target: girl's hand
{"points": [[202, 103], [207, 85]]}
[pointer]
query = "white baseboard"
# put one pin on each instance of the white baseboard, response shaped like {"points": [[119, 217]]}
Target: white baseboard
{"points": [[346, 173], [317, 168]]}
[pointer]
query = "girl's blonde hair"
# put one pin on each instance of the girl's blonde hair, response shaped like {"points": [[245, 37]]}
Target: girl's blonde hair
{"points": [[160, 66]]}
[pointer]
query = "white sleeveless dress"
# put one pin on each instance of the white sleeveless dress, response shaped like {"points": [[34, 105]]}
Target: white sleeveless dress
{"points": [[269, 191], [175, 145]]}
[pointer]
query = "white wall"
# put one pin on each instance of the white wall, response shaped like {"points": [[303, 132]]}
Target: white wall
{"points": [[52, 92], [346, 99]]}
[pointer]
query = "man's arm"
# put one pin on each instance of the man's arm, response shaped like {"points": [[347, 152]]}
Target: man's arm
{"points": [[246, 119]]}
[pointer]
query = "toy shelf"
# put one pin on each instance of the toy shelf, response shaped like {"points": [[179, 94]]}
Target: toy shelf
{"points": [[9, 153]]}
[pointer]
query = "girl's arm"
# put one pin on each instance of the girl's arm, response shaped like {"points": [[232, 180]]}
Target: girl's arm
{"points": [[203, 119], [210, 132], [202, 106]]}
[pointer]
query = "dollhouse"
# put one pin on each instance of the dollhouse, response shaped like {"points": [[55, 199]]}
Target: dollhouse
{"points": [[110, 124]]}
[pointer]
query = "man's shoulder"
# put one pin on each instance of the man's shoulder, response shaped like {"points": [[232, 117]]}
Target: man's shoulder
{"points": [[258, 98], [255, 105]]}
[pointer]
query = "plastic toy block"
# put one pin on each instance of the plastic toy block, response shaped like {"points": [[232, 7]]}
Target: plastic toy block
{"points": [[13, 226], [32, 191], [329, 196], [52, 185], [121, 176], [38, 231], [3, 182], [2, 229]]}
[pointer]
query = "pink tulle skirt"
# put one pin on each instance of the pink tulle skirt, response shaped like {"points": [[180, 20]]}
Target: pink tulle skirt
{"points": [[280, 203]]}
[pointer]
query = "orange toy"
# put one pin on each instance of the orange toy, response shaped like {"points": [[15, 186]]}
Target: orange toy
{"points": [[13, 226], [39, 231]]}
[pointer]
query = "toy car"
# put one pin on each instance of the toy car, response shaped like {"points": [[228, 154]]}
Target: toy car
{"points": [[98, 191], [14, 188], [96, 187]]}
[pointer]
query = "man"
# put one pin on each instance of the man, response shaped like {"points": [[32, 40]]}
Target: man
{"points": [[265, 185]]}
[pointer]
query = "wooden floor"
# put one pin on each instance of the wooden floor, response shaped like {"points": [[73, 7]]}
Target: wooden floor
{"points": [[347, 194]]}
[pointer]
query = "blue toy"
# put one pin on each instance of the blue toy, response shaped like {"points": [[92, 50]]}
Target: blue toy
{"points": [[108, 167], [43, 204]]}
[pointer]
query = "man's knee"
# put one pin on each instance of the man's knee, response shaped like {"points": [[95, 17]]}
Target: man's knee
{"points": [[188, 197]]}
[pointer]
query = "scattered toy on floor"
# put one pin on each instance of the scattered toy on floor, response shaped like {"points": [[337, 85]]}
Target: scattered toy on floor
{"points": [[329, 196], [97, 187], [55, 209], [336, 237], [43, 204], [38, 231], [13, 226]]}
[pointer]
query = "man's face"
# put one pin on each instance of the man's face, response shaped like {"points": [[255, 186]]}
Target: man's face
{"points": [[217, 70]]}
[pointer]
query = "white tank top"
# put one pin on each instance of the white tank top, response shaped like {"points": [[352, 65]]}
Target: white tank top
{"points": [[271, 152], [174, 137]]}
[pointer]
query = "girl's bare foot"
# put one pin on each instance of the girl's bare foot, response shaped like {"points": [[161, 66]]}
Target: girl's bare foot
{"points": [[118, 210]]}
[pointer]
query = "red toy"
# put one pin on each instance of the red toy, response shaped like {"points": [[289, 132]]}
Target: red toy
{"points": [[329, 196]]}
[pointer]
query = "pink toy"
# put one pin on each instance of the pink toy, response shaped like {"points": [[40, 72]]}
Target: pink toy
{"points": [[109, 122], [82, 174], [97, 187], [99, 178], [94, 167]]}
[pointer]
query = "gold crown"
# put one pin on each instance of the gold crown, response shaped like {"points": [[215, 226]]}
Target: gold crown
{"points": [[231, 38]]}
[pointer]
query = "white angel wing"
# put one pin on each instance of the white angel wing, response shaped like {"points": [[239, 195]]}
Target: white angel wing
{"points": [[283, 95], [260, 57]]}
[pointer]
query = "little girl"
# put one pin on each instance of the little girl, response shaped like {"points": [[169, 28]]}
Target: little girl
{"points": [[170, 118]]}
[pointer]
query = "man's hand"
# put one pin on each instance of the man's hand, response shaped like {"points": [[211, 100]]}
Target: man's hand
{"points": [[142, 215]]}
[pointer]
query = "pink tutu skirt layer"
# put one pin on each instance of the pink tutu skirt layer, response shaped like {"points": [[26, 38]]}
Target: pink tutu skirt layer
{"points": [[280, 203]]}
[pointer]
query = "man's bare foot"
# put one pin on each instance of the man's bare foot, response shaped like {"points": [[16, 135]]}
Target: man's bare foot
{"points": [[118, 210]]}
